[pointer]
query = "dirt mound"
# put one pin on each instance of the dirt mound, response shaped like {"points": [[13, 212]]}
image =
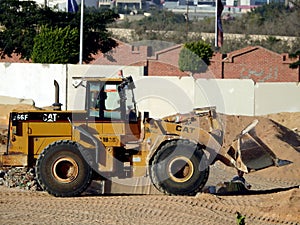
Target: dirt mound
{"points": [[289, 202], [274, 126], [288, 120], [278, 133], [6, 109], [4, 118]]}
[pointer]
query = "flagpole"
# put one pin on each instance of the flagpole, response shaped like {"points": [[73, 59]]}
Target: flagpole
{"points": [[216, 25], [81, 32]]}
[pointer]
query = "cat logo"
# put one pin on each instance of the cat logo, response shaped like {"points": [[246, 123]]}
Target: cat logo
{"points": [[51, 117], [188, 130]]}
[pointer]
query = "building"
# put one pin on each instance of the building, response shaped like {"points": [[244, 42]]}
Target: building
{"points": [[132, 4], [156, 63], [256, 63], [247, 5], [252, 62]]}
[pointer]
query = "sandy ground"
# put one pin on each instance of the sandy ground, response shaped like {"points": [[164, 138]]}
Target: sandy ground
{"points": [[24, 207], [274, 199]]}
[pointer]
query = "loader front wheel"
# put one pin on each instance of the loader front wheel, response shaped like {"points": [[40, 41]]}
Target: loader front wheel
{"points": [[62, 171], [179, 168]]}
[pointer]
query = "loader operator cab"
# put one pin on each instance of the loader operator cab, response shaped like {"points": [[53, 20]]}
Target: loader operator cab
{"points": [[111, 99]]}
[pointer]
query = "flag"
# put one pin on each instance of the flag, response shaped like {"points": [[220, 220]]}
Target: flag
{"points": [[72, 6], [219, 9]]}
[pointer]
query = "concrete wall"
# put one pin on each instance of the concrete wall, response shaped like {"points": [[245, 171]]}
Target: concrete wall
{"points": [[162, 96], [127, 34], [232, 96], [277, 97], [33, 81], [159, 95]]}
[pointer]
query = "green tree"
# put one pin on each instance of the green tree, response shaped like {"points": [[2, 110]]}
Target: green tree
{"points": [[58, 45], [268, 19], [297, 63], [96, 36], [195, 56], [22, 20], [157, 26], [162, 20], [18, 21]]}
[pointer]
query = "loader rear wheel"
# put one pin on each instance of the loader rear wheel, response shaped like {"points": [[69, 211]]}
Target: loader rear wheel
{"points": [[62, 171], [179, 168]]}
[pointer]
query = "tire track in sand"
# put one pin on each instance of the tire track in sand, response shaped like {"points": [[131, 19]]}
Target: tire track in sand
{"points": [[24, 207]]}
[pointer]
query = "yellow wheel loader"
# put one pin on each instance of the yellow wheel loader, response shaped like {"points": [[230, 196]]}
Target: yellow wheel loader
{"points": [[110, 139]]}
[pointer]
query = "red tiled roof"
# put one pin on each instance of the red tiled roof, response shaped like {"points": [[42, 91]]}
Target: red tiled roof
{"points": [[15, 58], [246, 50]]}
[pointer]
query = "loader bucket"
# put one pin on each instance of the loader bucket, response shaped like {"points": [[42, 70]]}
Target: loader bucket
{"points": [[255, 154]]}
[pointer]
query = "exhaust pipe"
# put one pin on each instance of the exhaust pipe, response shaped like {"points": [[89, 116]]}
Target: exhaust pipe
{"points": [[56, 105]]}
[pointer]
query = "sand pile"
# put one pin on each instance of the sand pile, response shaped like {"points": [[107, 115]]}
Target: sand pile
{"points": [[6, 109]]}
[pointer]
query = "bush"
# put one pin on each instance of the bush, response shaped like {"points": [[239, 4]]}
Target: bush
{"points": [[195, 56], [60, 45]]}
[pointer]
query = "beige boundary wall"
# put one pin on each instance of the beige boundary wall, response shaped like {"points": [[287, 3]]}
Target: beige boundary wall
{"points": [[159, 95], [277, 97], [33, 81]]}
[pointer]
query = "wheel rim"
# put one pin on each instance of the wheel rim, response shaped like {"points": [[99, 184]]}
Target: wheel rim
{"points": [[65, 170], [180, 169]]}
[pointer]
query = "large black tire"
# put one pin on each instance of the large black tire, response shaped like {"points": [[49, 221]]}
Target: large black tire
{"points": [[62, 171], [179, 168]]}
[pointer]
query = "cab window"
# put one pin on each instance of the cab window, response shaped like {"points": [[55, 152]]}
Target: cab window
{"points": [[104, 101]]}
